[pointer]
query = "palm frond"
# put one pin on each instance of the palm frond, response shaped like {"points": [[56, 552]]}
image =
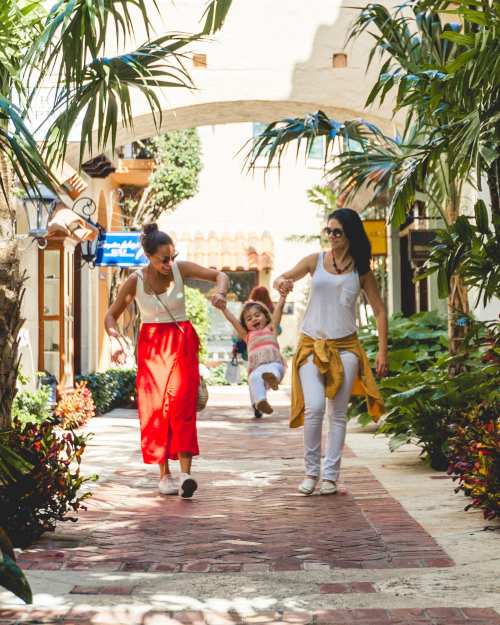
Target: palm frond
{"points": [[17, 143], [215, 15], [76, 32], [277, 136], [104, 99]]}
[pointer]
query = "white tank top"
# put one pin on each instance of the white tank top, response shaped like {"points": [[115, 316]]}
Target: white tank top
{"points": [[331, 311], [151, 309]]}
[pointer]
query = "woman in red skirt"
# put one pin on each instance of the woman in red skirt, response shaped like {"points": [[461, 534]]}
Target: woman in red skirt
{"points": [[167, 356]]}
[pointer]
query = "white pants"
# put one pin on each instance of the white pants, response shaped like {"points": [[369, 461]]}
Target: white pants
{"points": [[313, 387], [256, 384]]}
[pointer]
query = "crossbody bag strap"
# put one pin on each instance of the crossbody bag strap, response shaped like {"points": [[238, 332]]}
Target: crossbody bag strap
{"points": [[160, 301]]}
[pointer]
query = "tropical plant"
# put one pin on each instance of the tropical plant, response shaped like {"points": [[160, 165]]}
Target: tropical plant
{"points": [[474, 457], [416, 343], [471, 249], [66, 47], [76, 407], [424, 407], [35, 500], [11, 576], [32, 406]]}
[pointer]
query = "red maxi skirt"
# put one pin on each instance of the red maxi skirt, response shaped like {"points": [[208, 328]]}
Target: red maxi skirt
{"points": [[167, 390]]}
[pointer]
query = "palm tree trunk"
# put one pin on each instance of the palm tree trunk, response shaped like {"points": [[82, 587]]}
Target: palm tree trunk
{"points": [[493, 179], [458, 303], [11, 295]]}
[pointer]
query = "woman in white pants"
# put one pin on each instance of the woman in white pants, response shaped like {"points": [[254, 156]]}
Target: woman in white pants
{"points": [[330, 363]]}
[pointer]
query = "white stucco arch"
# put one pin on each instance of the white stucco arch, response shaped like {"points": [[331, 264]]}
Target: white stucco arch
{"points": [[270, 60]]}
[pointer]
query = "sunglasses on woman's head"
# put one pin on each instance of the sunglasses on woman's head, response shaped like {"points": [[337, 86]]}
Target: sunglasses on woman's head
{"points": [[333, 232], [164, 260]]}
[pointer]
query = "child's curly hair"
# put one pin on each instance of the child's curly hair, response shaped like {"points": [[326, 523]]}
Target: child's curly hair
{"points": [[253, 304]]}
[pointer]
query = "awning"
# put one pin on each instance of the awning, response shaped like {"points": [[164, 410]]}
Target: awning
{"points": [[66, 222], [231, 252]]}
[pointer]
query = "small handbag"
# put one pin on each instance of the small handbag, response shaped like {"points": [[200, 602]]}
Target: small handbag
{"points": [[232, 374], [202, 398]]}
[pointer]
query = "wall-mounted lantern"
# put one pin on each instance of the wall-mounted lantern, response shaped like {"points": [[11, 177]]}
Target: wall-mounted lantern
{"points": [[39, 204]]}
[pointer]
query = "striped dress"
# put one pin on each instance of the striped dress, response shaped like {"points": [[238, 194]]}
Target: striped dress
{"points": [[263, 347]]}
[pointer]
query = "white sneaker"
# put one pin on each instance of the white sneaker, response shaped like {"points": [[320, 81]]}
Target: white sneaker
{"points": [[308, 485], [328, 488], [168, 485], [188, 485]]}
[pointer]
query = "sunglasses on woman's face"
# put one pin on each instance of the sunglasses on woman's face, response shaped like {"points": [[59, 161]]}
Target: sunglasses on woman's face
{"points": [[165, 260], [333, 232]]}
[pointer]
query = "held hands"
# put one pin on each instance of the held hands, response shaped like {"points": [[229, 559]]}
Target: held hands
{"points": [[284, 286], [219, 301], [382, 364]]}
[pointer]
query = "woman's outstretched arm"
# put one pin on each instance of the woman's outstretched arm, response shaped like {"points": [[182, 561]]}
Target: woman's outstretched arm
{"points": [[193, 270], [284, 282]]}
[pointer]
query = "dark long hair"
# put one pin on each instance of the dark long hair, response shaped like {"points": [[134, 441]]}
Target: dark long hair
{"points": [[152, 238], [359, 245]]}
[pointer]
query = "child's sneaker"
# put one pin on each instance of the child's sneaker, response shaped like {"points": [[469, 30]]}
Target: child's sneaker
{"points": [[263, 406], [256, 413], [271, 380]]}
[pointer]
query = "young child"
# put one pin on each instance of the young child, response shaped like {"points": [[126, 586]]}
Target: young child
{"points": [[266, 366]]}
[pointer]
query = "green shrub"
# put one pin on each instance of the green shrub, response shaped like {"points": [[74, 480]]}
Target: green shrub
{"points": [[111, 389], [37, 498], [124, 379], [32, 406], [197, 313]]}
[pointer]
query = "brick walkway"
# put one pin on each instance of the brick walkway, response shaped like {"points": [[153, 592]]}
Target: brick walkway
{"points": [[373, 616], [248, 524], [251, 522]]}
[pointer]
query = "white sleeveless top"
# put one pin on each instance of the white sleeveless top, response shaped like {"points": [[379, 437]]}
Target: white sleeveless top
{"points": [[331, 311], [151, 309]]}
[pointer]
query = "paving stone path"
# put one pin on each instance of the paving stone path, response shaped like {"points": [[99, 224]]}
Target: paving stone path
{"points": [[247, 518]]}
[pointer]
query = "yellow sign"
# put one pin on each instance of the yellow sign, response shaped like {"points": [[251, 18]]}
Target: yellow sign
{"points": [[377, 233]]}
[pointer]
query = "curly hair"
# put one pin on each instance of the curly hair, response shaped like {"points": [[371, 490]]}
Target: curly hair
{"points": [[253, 304]]}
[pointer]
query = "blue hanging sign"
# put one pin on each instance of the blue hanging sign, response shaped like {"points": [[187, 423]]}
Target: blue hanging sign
{"points": [[120, 249]]}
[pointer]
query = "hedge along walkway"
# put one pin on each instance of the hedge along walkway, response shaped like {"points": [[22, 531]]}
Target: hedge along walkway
{"points": [[248, 548]]}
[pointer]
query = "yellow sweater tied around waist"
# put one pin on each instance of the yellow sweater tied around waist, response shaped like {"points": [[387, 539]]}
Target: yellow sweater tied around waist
{"points": [[326, 356]]}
